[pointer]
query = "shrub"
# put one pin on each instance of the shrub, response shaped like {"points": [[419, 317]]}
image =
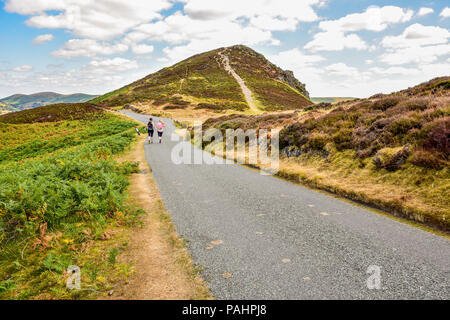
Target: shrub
{"points": [[426, 159], [317, 141], [386, 103], [439, 137], [420, 103], [402, 126], [342, 139]]}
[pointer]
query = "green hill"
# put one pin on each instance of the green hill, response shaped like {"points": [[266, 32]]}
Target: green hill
{"points": [[201, 81], [19, 102]]}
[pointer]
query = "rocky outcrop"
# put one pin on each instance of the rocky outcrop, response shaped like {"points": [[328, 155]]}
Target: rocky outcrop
{"points": [[288, 77]]}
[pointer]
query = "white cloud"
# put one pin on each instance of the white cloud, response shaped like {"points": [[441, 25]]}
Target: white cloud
{"points": [[417, 55], [24, 68], [417, 35], [395, 71], [43, 38], [191, 36], [373, 19], [445, 12], [335, 41], [88, 48], [341, 69], [266, 22], [334, 37], [295, 59], [142, 49], [205, 25], [424, 11], [111, 66], [417, 44], [282, 10], [99, 19]]}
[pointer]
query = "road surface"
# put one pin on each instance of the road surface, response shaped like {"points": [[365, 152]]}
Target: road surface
{"points": [[279, 240]]}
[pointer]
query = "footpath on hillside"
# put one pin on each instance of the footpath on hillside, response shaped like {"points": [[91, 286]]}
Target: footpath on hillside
{"points": [[245, 90]]}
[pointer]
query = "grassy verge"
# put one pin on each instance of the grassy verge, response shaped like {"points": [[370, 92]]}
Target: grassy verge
{"points": [[60, 204], [397, 194]]}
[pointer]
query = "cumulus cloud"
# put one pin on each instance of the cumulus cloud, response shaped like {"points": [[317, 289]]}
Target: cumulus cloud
{"points": [[43, 38], [142, 49], [88, 48], [335, 41], [424, 11], [24, 68], [295, 59], [341, 69], [395, 71], [97, 77], [373, 19], [417, 55], [445, 13], [417, 35], [111, 66], [334, 37], [417, 43], [283, 10], [189, 36], [100, 19], [205, 25]]}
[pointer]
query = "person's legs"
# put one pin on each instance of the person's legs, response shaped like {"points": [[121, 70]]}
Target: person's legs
{"points": [[160, 136], [150, 136]]}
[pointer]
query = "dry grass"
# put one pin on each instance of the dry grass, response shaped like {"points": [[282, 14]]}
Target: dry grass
{"points": [[427, 202]]}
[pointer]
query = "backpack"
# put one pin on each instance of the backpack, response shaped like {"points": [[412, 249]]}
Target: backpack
{"points": [[150, 126]]}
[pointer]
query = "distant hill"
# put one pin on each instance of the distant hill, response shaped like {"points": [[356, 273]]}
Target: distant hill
{"points": [[331, 99], [201, 81], [19, 102]]}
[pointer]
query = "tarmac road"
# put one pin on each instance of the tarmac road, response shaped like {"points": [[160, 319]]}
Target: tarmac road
{"points": [[279, 240]]}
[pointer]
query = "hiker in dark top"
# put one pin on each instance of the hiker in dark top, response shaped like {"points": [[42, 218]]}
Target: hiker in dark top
{"points": [[151, 130]]}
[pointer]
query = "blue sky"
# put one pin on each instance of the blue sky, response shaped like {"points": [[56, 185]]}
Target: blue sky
{"points": [[337, 47]]}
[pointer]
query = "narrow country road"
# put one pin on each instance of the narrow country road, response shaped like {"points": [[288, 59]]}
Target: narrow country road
{"points": [[279, 240]]}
